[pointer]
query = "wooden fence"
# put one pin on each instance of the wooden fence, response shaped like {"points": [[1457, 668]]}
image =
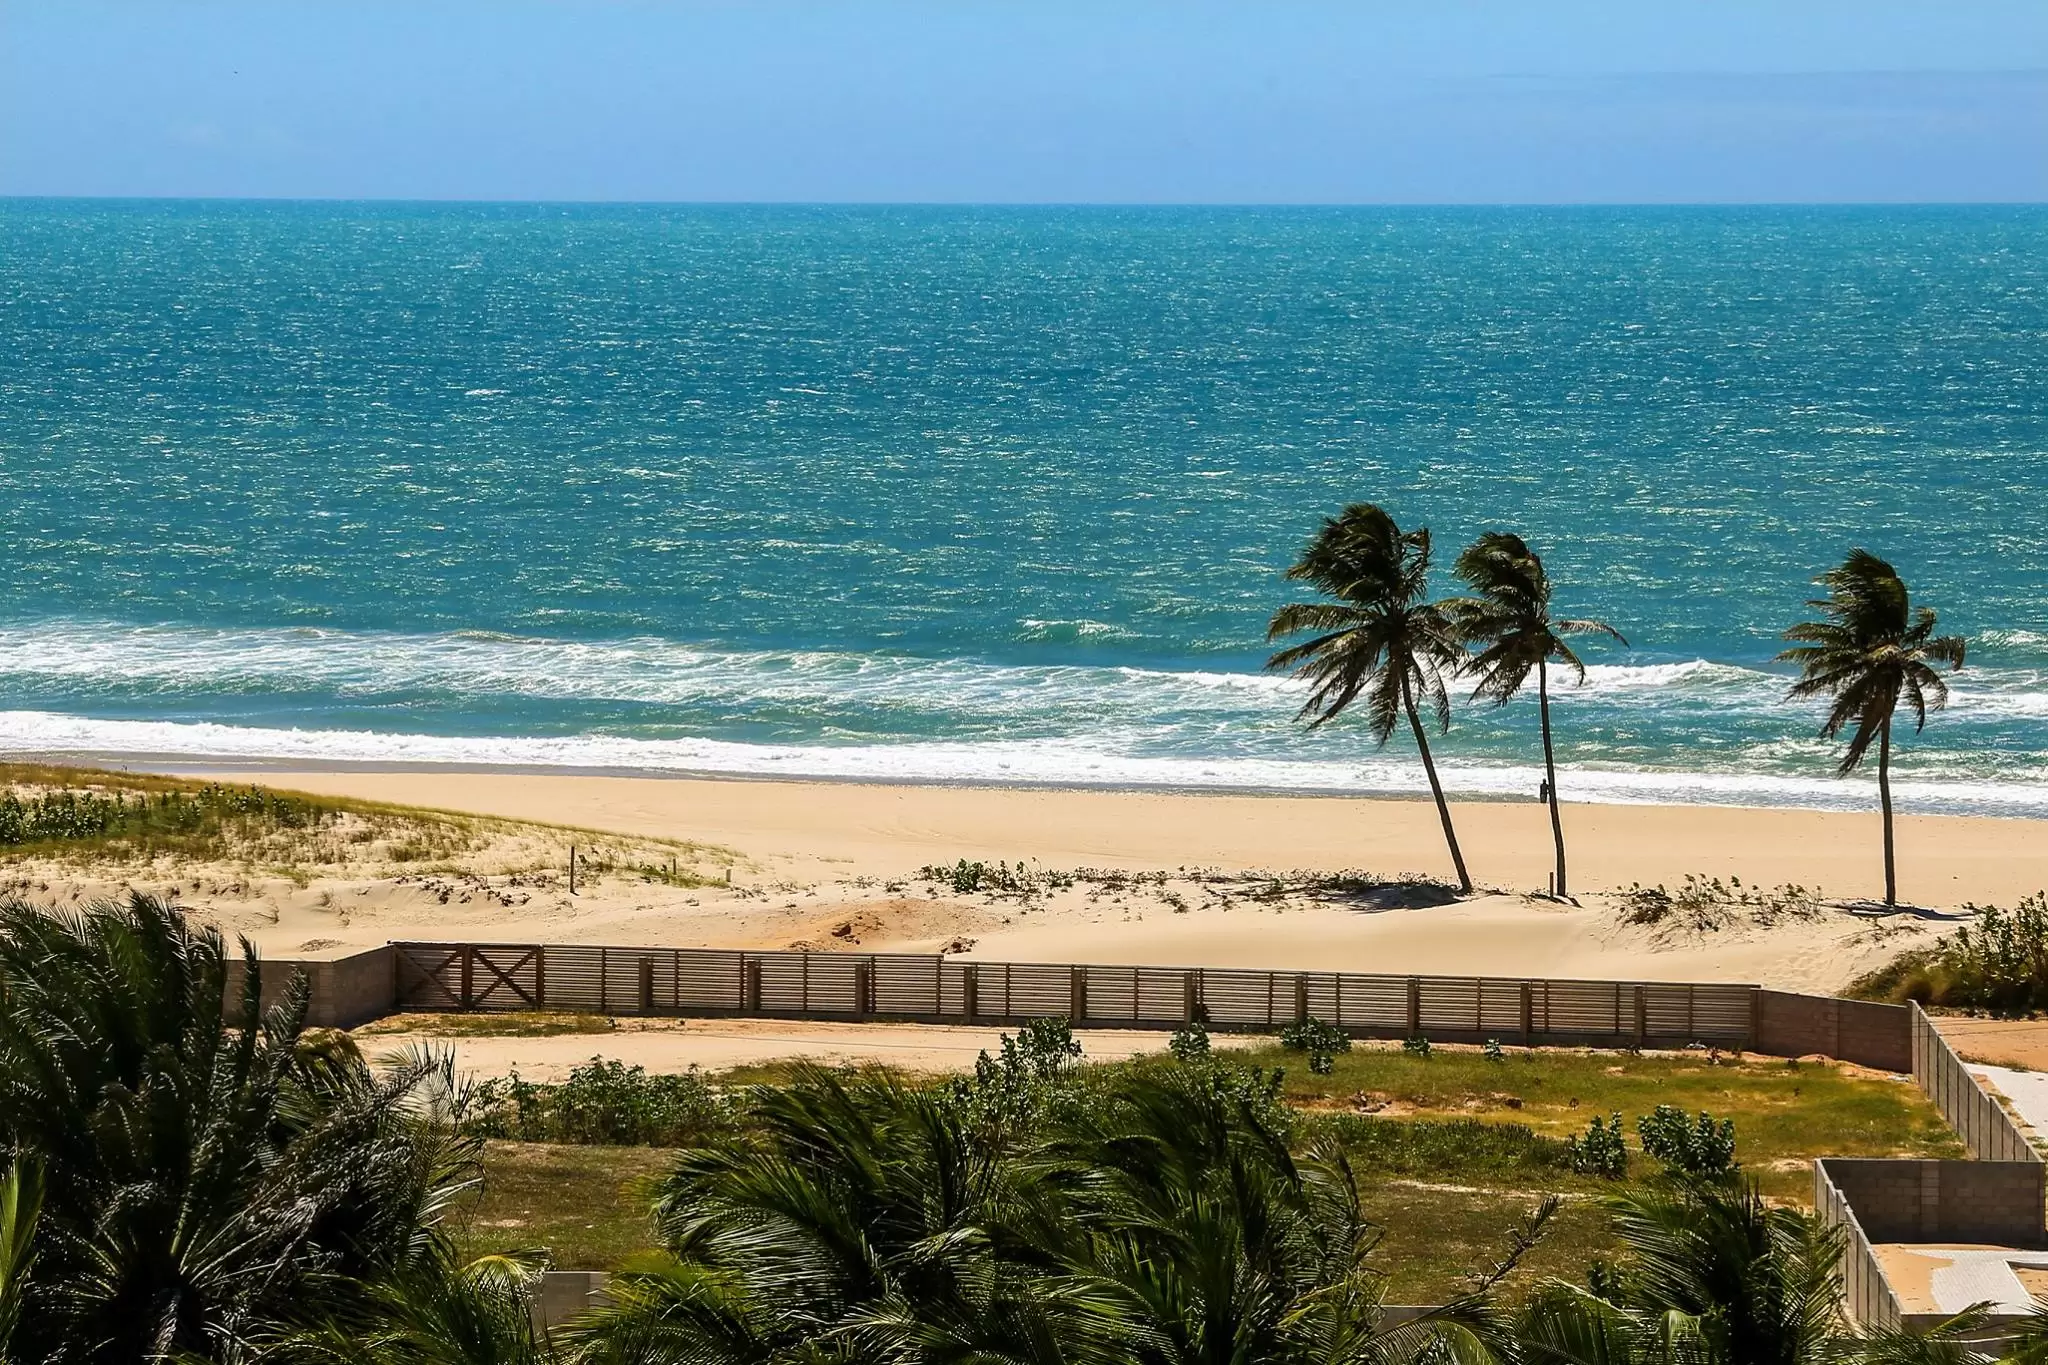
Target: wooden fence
{"points": [[1979, 1119], [937, 989]]}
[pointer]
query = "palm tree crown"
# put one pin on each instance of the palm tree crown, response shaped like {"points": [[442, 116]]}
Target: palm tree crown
{"points": [[1872, 648], [1509, 618], [1380, 635]]}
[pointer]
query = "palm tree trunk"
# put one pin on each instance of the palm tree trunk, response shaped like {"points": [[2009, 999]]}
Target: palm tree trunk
{"points": [[1436, 788], [1884, 799], [1550, 774]]}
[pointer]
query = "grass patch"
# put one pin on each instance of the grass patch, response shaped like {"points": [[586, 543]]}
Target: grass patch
{"points": [[1784, 1112], [586, 1205], [545, 1024], [1435, 1237]]}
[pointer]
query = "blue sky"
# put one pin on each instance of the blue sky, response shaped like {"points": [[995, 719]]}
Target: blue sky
{"points": [[1284, 101]]}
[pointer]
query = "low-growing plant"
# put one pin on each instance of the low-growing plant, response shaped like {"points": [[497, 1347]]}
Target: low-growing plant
{"points": [[1599, 1150], [1313, 1035], [1700, 1146], [1999, 965], [1418, 1046], [1493, 1050], [1190, 1043], [605, 1103], [1704, 904]]}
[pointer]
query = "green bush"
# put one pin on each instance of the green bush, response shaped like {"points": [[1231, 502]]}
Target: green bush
{"points": [[1999, 964], [1313, 1036], [603, 1103], [1599, 1150], [1190, 1044], [1698, 1147]]}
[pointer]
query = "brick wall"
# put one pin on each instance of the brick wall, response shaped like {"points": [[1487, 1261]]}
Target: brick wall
{"points": [[1852, 1030], [1998, 1202]]}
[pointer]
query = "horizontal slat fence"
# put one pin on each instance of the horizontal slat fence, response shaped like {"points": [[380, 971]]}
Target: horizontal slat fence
{"points": [[1980, 1120], [706, 981]]}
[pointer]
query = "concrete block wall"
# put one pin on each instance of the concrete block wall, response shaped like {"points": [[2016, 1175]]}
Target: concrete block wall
{"points": [[1858, 1031], [1996, 1202], [349, 986]]}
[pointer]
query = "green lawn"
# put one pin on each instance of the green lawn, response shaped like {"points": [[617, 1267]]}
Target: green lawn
{"points": [[1452, 1150]]}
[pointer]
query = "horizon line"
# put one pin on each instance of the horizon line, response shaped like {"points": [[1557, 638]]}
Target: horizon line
{"points": [[10, 197]]}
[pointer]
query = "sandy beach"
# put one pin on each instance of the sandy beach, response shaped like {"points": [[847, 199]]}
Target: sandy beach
{"points": [[835, 867]]}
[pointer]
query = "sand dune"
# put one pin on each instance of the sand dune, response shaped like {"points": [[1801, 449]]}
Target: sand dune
{"points": [[833, 867]]}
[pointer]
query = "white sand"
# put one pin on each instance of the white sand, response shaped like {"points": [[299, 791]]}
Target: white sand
{"points": [[833, 867]]}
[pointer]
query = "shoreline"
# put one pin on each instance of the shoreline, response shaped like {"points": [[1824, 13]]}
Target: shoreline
{"points": [[808, 829], [207, 765]]}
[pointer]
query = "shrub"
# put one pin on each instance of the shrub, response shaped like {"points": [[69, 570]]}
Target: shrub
{"points": [[1321, 1064], [1418, 1046], [1190, 1044], [1599, 1150], [1999, 964], [1493, 1051], [1313, 1035], [1697, 1147], [603, 1103]]}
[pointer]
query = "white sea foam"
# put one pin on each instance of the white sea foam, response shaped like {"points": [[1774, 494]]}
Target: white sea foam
{"points": [[1112, 725], [1060, 762]]}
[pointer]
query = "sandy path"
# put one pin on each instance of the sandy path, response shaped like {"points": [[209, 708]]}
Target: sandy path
{"points": [[715, 1045]]}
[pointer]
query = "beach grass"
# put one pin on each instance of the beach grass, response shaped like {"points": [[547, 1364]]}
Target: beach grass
{"points": [[102, 818]]}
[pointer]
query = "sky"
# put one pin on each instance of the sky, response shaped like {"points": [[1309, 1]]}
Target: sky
{"points": [[988, 101]]}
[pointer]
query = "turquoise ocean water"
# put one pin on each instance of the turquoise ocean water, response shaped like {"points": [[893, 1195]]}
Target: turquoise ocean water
{"points": [[996, 494]]}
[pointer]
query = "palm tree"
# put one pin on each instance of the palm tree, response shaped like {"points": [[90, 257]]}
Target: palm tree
{"points": [[1147, 1218], [205, 1182], [1871, 649], [1509, 621], [1713, 1275], [1380, 637]]}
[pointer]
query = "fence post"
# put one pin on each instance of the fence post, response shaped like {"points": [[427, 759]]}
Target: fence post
{"points": [[1190, 996], [603, 1003], [970, 992], [1414, 1007], [647, 985], [1077, 993], [1300, 998], [1528, 1014], [468, 973], [1642, 1016], [540, 977]]}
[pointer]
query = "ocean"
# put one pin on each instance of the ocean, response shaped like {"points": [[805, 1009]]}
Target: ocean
{"points": [[996, 495]]}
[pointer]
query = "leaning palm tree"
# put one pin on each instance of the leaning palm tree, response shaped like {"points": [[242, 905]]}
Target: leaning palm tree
{"points": [[1508, 620], [1872, 649], [1379, 637]]}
